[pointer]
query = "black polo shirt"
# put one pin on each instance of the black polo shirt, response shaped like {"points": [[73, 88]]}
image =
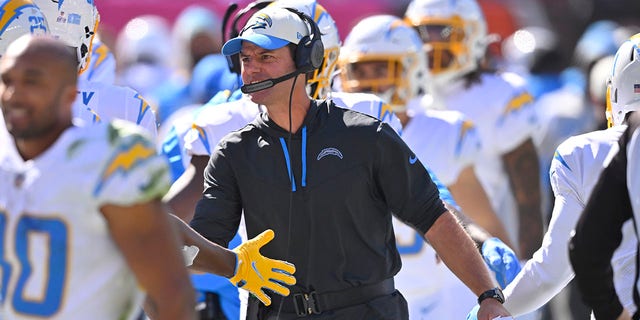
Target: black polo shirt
{"points": [[328, 194]]}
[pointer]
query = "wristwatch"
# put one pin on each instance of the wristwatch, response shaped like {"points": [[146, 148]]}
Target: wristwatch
{"points": [[494, 293]]}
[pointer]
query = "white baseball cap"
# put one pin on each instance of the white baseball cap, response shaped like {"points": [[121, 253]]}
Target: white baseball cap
{"points": [[270, 28]]}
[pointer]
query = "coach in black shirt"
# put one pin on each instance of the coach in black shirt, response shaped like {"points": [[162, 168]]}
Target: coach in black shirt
{"points": [[326, 180]]}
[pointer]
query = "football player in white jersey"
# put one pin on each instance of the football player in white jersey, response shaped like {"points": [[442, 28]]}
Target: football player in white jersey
{"points": [[75, 22], [19, 17], [383, 55], [574, 172], [614, 203], [88, 247], [80, 205], [394, 68], [455, 38]]}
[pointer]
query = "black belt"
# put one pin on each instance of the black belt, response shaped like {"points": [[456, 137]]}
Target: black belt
{"points": [[315, 303]]}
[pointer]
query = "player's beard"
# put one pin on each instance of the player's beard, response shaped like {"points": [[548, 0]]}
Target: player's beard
{"points": [[42, 124]]}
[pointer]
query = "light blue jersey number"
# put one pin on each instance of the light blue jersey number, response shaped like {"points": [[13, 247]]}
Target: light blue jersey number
{"points": [[56, 232], [37, 23]]}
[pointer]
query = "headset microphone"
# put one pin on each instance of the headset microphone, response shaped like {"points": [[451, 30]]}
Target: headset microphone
{"points": [[265, 84]]}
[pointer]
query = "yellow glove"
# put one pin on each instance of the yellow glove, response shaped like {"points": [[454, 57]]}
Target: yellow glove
{"points": [[255, 271]]}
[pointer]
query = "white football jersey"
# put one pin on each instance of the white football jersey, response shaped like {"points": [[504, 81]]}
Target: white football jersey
{"points": [[99, 101], [369, 104], [171, 138], [448, 143], [59, 260], [214, 122], [502, 111], [443, 139], [574, 172]]}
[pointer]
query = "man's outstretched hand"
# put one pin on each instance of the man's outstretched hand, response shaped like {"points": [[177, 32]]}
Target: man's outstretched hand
{"points": [[255, 272]]}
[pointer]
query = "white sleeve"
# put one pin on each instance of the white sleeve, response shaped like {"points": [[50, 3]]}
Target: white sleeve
{"points": [[133, 172], [517, 118], [549, 270]]}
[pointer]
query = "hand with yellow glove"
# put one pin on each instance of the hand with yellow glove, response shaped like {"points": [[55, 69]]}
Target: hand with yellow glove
{"points": [[255, 272]]}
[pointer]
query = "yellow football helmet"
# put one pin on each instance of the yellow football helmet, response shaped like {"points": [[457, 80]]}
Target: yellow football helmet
{"points": [[454, 34], [394, 50]]}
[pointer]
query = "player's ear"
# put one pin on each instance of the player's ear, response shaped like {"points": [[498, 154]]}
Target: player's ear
{"points": [[70, 93]]}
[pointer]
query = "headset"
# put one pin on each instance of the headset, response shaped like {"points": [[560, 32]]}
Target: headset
{"points": [[309, 53], [310, 50]]}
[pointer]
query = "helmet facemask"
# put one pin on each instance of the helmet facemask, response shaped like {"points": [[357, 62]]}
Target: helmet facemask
{"points": [[387, 76], [454, 34], [319, 83], [383, 55]]}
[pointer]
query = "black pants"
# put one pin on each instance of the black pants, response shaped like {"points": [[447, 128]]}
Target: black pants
{"points": [[212, 309], [389, 307]]}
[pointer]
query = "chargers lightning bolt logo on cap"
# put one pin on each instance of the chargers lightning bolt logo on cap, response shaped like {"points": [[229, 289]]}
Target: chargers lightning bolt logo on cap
{"points": [[10, 11], [261, 21]]}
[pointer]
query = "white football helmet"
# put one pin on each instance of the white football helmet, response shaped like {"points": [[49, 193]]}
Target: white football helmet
{"points": [[623, 91], [20, 17], [144, 39], [319, 84], [454, 34], [73, 21], [388, 39]]}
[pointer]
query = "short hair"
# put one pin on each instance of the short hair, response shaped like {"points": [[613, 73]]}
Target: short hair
{"points": [[53, 48]]}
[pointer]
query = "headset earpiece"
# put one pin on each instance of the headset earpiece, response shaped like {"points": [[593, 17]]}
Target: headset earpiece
{"points": [[310, 50]]}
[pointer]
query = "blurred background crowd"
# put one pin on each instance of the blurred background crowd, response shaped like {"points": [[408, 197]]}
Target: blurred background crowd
{"points": [[174, 35]]}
